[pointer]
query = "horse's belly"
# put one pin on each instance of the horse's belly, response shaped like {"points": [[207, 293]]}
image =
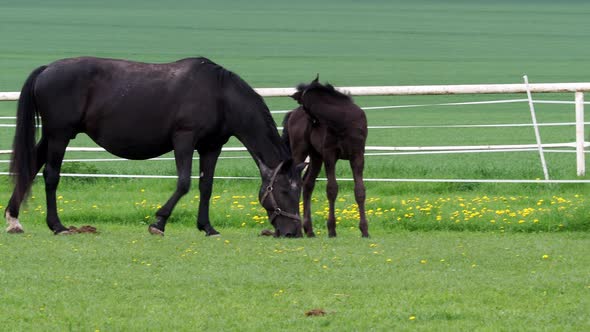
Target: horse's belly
{"points": [[128, 147]]}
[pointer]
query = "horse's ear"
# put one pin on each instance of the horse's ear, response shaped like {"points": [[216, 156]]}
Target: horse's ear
{"points": [[287, 164], [297, 96], [264, 170], [317, 78], [299, 168]]}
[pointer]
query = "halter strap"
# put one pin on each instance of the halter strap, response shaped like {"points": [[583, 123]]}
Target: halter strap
{"points": [[268, 194]]}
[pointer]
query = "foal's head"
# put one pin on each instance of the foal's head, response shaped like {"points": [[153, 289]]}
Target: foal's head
{"points": [[279, 195]]}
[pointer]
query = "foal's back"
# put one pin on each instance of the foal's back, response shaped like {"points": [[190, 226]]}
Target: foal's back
{"points": [[338, 126]]}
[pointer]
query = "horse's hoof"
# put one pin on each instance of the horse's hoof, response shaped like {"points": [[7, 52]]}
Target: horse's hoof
{"points": [[154, 231], [216, 234], [64, 232], [14, 230], [14, 226]]}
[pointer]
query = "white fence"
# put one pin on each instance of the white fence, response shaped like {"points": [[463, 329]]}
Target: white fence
{"points": [[577, 88]]}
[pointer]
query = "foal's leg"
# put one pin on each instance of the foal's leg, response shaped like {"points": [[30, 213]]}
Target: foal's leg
{"points": [[12, 211], [207, 168], [183, 155], [357, 165], [332, 192], [55, 153], [308, 185]]}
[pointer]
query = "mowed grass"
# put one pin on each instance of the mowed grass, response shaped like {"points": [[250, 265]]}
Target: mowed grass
{"points": [[442, 256], [126, 279]]}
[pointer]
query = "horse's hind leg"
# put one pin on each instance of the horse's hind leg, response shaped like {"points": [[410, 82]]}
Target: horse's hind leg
{"points": [[332, 192], [12, 211], [308, 185], [357, 164], [207, 168], [183, 154], [55, 154]]}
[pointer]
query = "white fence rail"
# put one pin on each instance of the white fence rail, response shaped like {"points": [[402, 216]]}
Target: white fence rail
{"points": [[577, 88], [418, 90]]}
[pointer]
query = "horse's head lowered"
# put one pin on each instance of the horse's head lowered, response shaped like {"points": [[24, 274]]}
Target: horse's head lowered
{"points": [[279, 195]]}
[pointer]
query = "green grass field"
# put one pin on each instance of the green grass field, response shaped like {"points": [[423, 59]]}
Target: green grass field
{"points": [[443, 256], [123, 279]]}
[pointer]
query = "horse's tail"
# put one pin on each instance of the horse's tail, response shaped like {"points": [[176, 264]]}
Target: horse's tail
{"points": [[22, 163], [285, 136]]}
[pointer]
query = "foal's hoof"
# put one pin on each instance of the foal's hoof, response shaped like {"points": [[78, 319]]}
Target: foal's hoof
{"points": [[267, 232], [213, 234], [210, 231], [154, 231], [64, 232]]}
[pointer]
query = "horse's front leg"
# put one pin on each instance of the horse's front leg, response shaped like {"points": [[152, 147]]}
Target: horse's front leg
{"points": [[207, 164], [332, 193], [357, 165], [183, 155]]}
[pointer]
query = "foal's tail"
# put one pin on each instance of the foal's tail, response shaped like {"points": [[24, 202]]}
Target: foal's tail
{"points": [[22, 163], [285, 136]]}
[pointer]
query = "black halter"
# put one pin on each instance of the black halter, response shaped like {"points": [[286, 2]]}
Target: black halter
{"points": [[277, 211]]}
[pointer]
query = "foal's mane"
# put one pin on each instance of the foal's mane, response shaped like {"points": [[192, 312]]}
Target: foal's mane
{"points": [[323, 88]]}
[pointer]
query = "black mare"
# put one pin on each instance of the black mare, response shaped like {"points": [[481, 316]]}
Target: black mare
{"points": [[139, 111], [327, 126]]}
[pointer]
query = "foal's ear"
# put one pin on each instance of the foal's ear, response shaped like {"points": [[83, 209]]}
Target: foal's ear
{"points": [[297, 96], [317, 78]]}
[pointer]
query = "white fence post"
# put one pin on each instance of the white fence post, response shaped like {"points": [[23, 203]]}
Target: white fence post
{"points": [[580, 159], [536, 128]]}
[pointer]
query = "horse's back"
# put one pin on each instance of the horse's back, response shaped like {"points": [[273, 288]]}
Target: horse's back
{"points": [[132, 109]]}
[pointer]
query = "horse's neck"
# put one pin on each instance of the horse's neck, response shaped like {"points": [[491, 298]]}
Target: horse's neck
{"points": [[262, 141]]}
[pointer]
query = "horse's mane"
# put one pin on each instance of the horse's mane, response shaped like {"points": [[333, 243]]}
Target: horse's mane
{"points": [[227, 78], [325, 88]]}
